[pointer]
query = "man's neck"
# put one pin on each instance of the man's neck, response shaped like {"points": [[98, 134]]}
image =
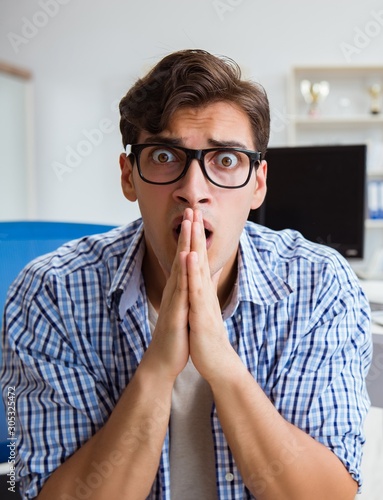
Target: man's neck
{"points": [[226, 284], [155, 281]]}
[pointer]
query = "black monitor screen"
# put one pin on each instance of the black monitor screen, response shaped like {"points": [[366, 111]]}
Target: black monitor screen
{"points": [[319, 191]]}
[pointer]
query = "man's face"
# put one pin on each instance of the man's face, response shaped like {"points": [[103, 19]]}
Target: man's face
{"points": [[224, 211]]}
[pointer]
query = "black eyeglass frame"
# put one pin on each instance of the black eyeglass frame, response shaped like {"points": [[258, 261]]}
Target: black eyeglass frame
{"points": [[195, 154]]}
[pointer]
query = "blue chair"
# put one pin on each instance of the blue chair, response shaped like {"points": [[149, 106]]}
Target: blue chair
{"points": [[20, 242]]}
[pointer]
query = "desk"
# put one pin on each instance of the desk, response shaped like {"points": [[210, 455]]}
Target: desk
{"points": [[374, 292]]}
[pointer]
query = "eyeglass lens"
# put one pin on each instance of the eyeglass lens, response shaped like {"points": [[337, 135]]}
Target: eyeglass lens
{"points": [[164, 164]]}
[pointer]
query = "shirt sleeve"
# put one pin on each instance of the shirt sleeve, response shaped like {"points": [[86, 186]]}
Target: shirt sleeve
{"points": [[62, 396], [322, 388]]}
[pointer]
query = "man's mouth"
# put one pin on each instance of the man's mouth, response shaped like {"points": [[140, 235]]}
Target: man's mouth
{"points": [[208, 233]]}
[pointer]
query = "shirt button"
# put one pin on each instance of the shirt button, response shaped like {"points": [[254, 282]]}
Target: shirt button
{"points": [[229, 476]]}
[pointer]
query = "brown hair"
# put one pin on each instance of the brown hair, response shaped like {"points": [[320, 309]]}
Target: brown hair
{"points": [[191, 78]]}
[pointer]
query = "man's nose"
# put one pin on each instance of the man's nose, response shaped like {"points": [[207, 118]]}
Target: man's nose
{"points": [[194, 188]]}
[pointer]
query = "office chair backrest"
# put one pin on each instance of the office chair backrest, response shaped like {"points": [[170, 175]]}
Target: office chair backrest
{"points": [[21, 242]]}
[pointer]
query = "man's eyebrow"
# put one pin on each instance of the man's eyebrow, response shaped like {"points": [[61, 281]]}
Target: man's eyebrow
{"points": [[161, 139], [227, 144], [176, 141]]}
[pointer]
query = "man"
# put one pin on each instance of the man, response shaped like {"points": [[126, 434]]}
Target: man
{"points": [[190, 354]]}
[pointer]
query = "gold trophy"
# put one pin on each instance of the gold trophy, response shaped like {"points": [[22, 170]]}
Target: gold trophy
{"points": [[314, 94], [375, 92]]}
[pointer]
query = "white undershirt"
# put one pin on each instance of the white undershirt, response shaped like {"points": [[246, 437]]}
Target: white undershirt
{"points": [[192, 459]]}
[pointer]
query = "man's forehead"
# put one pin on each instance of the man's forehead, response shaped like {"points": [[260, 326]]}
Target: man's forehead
{"points": [[217, 124]]}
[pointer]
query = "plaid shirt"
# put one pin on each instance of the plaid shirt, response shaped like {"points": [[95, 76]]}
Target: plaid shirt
{"points": [[76, 327]]}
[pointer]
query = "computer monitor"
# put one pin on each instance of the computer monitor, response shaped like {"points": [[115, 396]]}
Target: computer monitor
{"points": [[319, 191]]}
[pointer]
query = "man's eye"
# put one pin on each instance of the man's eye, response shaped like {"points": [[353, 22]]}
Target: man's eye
{"points": [[226, 160], [163, 156]]}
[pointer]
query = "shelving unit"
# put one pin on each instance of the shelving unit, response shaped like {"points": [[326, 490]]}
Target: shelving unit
{"points": [[360, 120], [343, 117], [374, 224], [346, 107]]}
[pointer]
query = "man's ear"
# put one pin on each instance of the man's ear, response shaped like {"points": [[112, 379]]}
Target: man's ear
{"points": [[260, 186], [127, 181]]}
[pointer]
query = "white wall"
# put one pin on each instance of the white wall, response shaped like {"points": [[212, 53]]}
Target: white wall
{"points": [[13, 174], [85, 54]]}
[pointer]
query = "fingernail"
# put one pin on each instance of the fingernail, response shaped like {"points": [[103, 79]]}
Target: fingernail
{"points": [[186, 211]]}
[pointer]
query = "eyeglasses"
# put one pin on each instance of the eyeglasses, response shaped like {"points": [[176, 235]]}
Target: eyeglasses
{"points": [[229, 168]]}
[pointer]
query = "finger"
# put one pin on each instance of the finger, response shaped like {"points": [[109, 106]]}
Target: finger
{"points": [[197, 216], [194, 278], [184, 239], [198, 238], [183, 245], [176, 290], [182, 276], [189, 214]]}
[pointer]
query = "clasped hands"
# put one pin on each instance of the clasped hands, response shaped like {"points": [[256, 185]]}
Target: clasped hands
{"points": [[190, 320]]}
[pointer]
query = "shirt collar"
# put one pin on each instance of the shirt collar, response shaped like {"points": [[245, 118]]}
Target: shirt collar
{"points": [[256, 281], [125, 286]]}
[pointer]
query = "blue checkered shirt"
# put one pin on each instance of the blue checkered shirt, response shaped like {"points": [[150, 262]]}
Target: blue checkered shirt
{"points": [[76, 327]]}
